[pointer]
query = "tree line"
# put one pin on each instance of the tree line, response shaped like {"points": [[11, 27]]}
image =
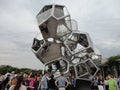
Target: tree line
{"points": [[7, 68]]}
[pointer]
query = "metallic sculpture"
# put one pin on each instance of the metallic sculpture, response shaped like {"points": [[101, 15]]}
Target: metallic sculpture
{"points": [[63, 46]]}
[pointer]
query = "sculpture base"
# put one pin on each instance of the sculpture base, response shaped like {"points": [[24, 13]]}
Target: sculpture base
{"points": [[82, 85]]}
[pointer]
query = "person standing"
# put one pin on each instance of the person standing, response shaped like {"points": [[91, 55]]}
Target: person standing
{"points": [[72, 82], [52, 85], [31, 82], [111, 83], [118, 80], [100, 82], [18, 85], [1, 80], [11, 82], [44, 81], [94, 84], [61, 82], [106, 85], [37, 81]]}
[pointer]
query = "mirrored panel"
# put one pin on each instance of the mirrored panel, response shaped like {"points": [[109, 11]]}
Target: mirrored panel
{"points": [[49, 52], [92, 68], [57, 66], [81, 69], [37, 44], [62, 30], [44, 14], [82, 39], [74, 25], [58, 11]]}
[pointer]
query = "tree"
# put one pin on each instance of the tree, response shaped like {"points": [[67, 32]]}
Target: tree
{"points": [[114, 64], [7, 68]]}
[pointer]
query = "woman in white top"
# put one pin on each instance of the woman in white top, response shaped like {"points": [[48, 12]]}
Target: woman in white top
{"points": [[18, 85]]}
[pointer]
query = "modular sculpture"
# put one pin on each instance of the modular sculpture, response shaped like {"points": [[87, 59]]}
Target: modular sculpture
{"points": [[63, 47]]}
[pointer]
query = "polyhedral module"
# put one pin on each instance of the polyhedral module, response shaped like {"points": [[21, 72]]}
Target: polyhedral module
{"points": [[64, 47]]}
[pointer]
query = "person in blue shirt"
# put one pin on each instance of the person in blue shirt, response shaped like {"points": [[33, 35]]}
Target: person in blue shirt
{"points": [[118, 80], [61, 82], [44, 81]]}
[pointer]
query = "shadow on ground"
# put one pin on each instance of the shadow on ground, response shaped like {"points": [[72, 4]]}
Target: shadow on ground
{"points": [[83, 85]]}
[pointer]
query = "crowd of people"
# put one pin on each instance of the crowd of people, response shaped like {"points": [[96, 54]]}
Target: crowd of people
{"points": [[110, 82], [34, 81]]}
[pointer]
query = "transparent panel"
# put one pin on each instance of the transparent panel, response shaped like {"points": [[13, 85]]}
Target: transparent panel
{"points": [[72, 41], [82, 55], [91, 67], [65, 11], [58, 12], [63, 38], [74, 25], [68, 23], [82, 39], [55, 67], [44, 28], [49, 28], [45, 9], [39, 36], [67, 53], [72, 70], [62, 30], [73, 44], [43, 16], [81, 69], [74, 38], [50, 51], [76, 60], [37, 44], [97, 59]]}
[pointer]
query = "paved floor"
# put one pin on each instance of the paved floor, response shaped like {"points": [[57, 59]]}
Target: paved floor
{"points": [[83, 85]]}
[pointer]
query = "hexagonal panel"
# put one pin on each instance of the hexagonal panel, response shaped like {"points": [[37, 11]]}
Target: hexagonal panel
{"points": [[49, 52], [86, 69], [53, 22], [63, 46], [56, 66], [78, 42]]}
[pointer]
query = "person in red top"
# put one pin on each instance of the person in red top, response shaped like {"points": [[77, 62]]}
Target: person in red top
{"points": [[31, 83]]}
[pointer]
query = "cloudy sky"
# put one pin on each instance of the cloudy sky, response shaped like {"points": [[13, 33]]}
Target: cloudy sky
{"points": [[18, 27]]}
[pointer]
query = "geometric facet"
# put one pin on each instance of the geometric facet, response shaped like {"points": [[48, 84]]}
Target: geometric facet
{"points": [[86, 69], [63, 45], [56, 66]]}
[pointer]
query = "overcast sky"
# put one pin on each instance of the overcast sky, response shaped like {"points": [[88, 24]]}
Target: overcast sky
{"points": [[18, 27]]}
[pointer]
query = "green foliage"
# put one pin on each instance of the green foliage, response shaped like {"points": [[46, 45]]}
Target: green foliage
{"points": [[6, 68], [113, 58], [113, 64]]}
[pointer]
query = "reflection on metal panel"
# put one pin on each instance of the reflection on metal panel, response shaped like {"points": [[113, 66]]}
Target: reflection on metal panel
{"points": [[63, 46], [55, 67], [86, 69], [49, 52]]}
